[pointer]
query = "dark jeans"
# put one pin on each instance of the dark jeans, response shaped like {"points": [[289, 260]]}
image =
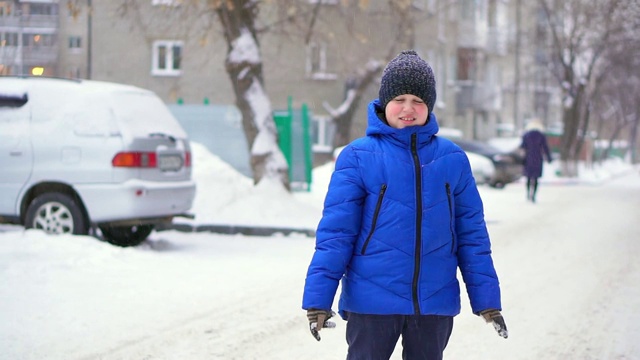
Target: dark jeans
{"points": [[373, 337]]}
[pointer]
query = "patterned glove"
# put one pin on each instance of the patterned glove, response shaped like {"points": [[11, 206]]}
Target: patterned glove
{"points": [[493, 316], [316, 317]]}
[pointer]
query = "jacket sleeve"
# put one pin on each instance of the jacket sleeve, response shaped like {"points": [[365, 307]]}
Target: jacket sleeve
{"points": [[474, 246], [337, 232]]}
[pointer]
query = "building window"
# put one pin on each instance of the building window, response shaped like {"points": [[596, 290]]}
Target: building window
{"points": [[316, 66], [467, 8], [8, 39], [5, 8], [73, 73], [43, 9], [167, 58], [40, 70], [323, 132], [38, 40], [473, 10], [467, 64], [75, 42]]}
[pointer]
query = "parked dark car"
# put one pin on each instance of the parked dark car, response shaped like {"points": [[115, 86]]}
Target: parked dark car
{"points": [[508, 165]]}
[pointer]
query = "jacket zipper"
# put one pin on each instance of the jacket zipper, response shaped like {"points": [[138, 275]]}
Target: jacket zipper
{"points": [[416, 269], [383, 189], [453, 238]]}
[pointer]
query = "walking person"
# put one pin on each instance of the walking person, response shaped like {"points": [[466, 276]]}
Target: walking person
{"points": [[402, 214], [535, 146]]}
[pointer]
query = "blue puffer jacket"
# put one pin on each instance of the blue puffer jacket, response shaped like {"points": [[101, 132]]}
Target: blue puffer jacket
{"points": [[401, 215]]}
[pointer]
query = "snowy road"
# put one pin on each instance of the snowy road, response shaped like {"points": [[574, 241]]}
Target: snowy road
{"points": [[568, 268]]}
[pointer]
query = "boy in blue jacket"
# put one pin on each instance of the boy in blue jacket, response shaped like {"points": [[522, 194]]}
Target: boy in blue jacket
{"points": [[401, 215]]}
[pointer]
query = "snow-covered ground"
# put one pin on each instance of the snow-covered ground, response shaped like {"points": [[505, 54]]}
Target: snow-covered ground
{"points": [[568, 268]]}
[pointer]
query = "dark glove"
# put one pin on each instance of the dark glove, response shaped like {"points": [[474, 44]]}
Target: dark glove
{"points": [[316, 317], [493, 316]]}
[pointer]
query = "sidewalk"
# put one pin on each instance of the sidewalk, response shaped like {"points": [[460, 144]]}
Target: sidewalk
{"points": [[237, 229], [593, 175]]}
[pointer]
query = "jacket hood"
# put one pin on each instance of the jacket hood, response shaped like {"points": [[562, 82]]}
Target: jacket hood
{"points": [[378, 127]]}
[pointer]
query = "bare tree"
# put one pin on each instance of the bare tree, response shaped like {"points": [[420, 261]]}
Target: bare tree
{"points": [[342, 116], [619, 102], [358, 83], [582, 32], [244, 66]]}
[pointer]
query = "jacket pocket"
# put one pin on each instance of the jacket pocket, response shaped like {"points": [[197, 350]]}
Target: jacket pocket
{"points": [[376, 212], [451, 217]]}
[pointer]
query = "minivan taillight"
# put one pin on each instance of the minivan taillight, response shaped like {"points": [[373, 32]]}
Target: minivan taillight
{"points": [[135, 160], [187, 159]]}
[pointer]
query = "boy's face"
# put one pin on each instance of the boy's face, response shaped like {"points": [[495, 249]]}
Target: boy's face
{"points": [[406, 110]]}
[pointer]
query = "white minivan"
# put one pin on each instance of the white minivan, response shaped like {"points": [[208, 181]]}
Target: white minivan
{"points": [[80, 157]]}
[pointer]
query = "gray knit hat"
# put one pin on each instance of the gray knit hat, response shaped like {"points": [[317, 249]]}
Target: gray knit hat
{"points": [[407, 73]]}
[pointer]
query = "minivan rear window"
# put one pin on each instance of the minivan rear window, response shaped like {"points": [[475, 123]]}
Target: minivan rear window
{"points": [[143, 114]]}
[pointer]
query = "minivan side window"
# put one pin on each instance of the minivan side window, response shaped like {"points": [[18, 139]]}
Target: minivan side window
{"points": [[91, 115], [14, 123], [13, 100], [99, 121]]}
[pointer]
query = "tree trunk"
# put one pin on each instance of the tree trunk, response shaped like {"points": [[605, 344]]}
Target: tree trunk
{"points": [[633, 136], [584, 131], [244, 67], [568, 141]]}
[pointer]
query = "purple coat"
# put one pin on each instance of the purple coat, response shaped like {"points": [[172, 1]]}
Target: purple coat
{"points": [[535, 146]]}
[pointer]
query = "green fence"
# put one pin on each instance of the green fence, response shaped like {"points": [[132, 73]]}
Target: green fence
{"points": [[294, 139]]}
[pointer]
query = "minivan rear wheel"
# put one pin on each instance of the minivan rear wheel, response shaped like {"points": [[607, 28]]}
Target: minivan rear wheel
{"points": [[126, 235], [56, 213]]}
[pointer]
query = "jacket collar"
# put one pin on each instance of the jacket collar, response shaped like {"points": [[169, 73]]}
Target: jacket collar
{"points": [[379, 127]]}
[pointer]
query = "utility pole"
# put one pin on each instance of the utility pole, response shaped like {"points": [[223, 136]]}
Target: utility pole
{"points": [[20, 57], [516, 83], [89, 37]]}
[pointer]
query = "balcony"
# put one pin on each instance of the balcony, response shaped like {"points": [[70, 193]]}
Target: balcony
{"points": [[472, 35], [497, 41], [30, 21], [40, 21], [39, 55]]}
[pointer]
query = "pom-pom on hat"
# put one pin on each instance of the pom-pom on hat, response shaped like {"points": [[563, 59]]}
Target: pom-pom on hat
{"points": [[407, 73]]}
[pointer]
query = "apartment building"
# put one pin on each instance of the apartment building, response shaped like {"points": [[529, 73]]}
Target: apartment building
{"points": [[487, 54], [29, 37]]}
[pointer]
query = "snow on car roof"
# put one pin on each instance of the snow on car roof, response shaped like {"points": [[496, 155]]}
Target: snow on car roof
{"points": [[141, 110]]}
